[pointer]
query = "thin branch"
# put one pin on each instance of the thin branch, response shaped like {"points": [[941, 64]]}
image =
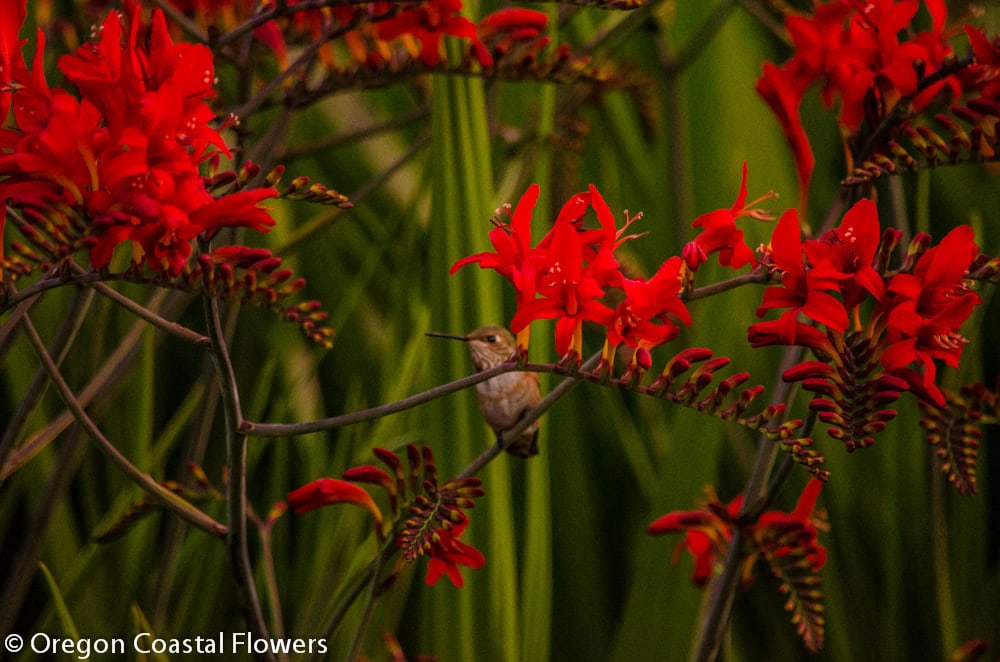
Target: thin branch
{"points": [[81, 277], [722, 590], [170, 500], [61, 345], [292, 429], [236, 487], [264, 530], [726, 285], [141, 311], [312, 147], [368, 609], [21, 568], [118, 362], [49, 282], [352, 589]]}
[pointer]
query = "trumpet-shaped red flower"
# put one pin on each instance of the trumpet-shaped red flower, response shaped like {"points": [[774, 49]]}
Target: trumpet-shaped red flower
{"points": [[570, 291], [772, 332], [644, 319], [448, 552], [721, 235], [428, 22], [846, 254], [800, 519], [802, 290], [513, 257], [783, 93], [928, 307], [12, 15], [514, 25], [987, 67], [708, 530], [707, 533], [330, 491]]}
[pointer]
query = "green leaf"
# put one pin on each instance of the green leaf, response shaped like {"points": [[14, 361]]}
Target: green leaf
{"points": [[65, 618]]}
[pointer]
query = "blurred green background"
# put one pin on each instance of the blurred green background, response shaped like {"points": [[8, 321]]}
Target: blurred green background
{"points": [[570, 572]]}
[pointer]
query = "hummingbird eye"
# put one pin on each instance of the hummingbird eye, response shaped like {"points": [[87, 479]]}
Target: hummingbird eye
{"points": [[491, 339]]}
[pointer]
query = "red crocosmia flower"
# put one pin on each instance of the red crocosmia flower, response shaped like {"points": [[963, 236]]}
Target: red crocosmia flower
{"points": [[329, 491], [565, 274], [428, 22], [783, 93], [706, 532], [721, 235], [240, 209], [569, 290], [800, 519], [855, 49], [124, 158], [643, 318], [801, 291], [513, 24], [927, 308], [12, 15], [600, 244], [166, 244], [987, 67], [513, 256], [447, 552], [847, 253]]}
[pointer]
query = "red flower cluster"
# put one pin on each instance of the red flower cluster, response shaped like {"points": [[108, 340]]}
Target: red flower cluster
{"points": [[119, 164], [568, 273], [916, 316], [428, 22], [866, 55], [708, 530], [432, 514], [369, 28]]}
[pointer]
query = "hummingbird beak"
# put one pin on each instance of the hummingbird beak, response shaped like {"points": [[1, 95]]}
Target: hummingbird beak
{"points": [[435, 334]]}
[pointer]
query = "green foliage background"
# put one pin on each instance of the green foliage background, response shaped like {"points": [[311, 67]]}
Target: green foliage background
{"points": [[570, 572]]}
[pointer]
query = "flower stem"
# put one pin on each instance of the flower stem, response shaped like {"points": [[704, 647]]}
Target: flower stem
{"points": [[722, 590], [173, 328], [236, 488], [360, 416]]}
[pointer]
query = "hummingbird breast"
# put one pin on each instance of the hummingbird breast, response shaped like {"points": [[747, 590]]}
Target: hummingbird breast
{"points": [[505, 399]]}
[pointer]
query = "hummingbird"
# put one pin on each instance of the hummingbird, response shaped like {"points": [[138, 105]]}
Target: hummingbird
{"points": [[504, 399]]}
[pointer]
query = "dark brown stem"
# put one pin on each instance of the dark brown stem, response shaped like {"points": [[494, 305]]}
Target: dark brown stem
{"points": [[722, 590], [236, 487], [141, 311], [333, 422]]}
